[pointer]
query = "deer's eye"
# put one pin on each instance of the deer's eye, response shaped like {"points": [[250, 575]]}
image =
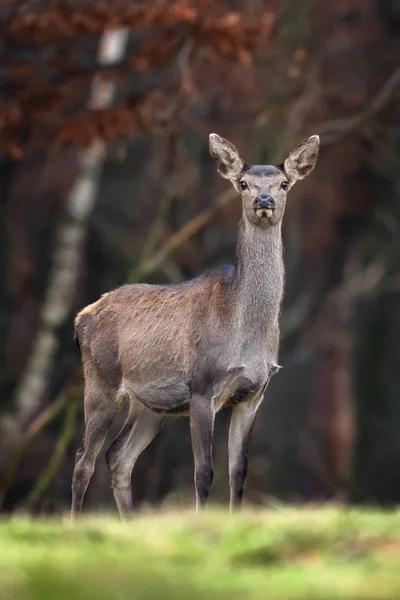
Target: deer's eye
{"points": [[284, 185], [243, 185]]}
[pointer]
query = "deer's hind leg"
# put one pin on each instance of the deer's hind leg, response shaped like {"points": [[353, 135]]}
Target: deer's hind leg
{"points": [[100, 407], [140, 427]]}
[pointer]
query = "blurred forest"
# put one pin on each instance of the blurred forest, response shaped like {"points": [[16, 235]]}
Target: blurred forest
{"points": [[106, 178]]}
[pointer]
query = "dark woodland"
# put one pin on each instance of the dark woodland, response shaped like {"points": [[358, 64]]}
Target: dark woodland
{"points": [[106, 178]]}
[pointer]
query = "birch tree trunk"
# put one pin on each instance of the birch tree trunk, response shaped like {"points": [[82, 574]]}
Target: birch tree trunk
{"points": [[66, 257]]}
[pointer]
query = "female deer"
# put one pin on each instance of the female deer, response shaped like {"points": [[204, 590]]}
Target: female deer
{"points": [[193, 348]]}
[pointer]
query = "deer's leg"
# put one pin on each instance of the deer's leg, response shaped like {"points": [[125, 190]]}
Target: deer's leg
{"points": [[242, 421], [202, 428], [140, 427], [100, 409]]}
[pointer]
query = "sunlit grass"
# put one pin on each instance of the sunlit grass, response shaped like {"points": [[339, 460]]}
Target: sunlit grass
{"points": [[295, 554]]}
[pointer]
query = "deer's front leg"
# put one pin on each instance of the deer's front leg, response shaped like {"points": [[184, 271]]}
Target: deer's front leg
{"points": [[242, 421], [201, 429]]}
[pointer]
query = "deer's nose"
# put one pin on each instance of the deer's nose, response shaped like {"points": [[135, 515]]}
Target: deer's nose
{"points": [[265, 202]]}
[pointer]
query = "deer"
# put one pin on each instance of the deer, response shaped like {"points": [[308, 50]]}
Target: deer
{"points": [[192, 348]]}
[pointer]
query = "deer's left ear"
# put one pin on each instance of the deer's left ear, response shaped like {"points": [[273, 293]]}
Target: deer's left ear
{"points": [[302, 159], [229, 162]]}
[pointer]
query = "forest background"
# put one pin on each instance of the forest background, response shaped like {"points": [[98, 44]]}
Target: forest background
{"points": [[106, 178]]}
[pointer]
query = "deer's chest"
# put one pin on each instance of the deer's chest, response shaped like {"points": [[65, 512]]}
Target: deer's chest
{"points": [[240, 384]]}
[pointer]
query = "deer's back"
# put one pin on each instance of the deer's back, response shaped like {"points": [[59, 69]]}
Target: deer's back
{"points": [[150, 337]]}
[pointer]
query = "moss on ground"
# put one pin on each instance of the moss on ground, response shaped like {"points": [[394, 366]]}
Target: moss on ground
{"points": [[296, 554]]}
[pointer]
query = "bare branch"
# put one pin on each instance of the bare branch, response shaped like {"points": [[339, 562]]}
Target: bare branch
{"points": [[36, 427], [178, 238], [333, 131], [51, 470]]}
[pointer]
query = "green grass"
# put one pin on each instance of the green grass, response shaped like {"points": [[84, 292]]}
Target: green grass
{"points": [[295, 554]]}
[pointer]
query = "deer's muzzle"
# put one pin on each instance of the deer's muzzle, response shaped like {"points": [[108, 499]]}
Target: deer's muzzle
{"points": [[264, 206]]}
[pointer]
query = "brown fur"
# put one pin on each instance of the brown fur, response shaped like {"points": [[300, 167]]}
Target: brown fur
{"points": [[191, 348]]}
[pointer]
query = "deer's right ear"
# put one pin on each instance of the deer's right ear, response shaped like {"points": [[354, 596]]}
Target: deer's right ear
{"points": [[229, 163]]}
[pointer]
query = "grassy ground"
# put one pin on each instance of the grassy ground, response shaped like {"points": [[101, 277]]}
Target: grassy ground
{"points": [[296, 554]]}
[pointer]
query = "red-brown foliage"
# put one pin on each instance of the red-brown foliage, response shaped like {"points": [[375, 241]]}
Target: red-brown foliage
{"points": [[45, 96]]}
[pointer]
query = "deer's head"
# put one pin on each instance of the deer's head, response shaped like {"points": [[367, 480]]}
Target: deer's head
{"points": [[264, 187]]}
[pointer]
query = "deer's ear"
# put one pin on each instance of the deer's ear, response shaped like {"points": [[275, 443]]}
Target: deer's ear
{"points": [[229, 163], [302, 159]]}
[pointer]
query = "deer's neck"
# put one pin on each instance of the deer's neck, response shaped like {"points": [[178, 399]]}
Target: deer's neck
{"points": [[258, 278]]}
